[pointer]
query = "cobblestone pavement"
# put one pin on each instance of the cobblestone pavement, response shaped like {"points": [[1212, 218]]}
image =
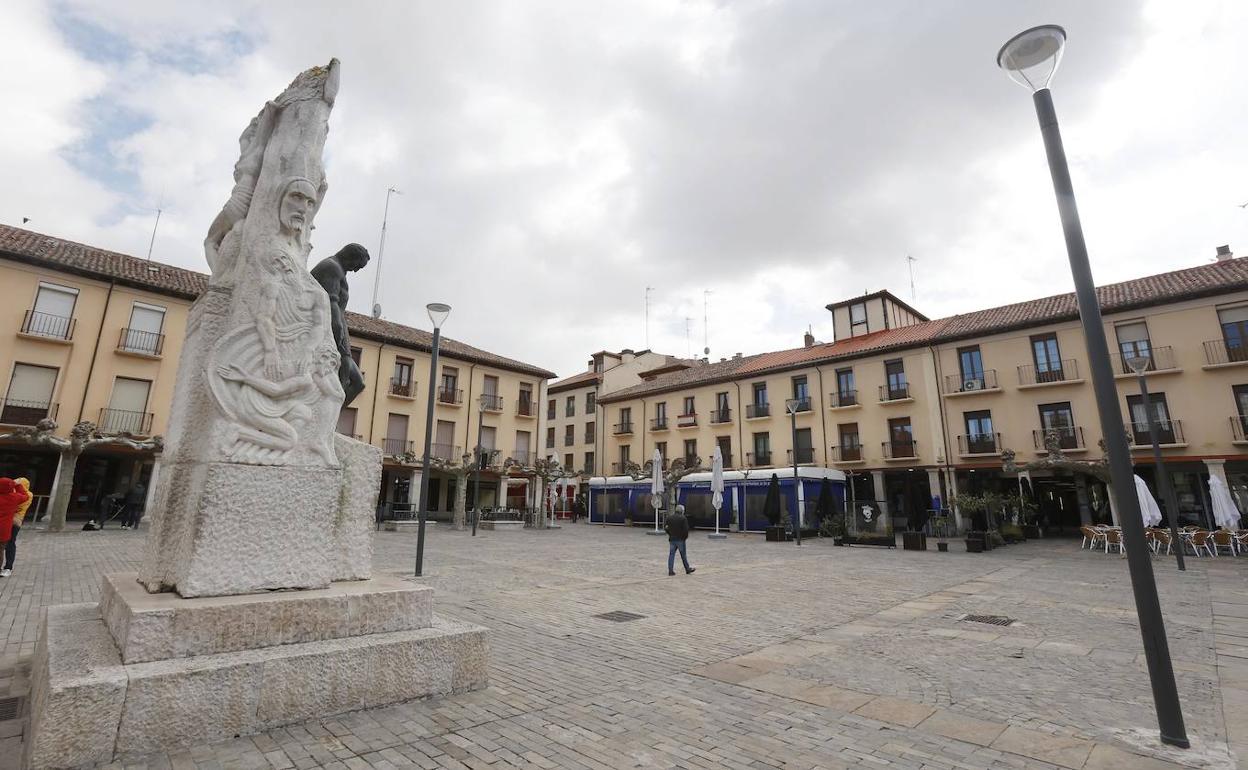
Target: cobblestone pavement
{"points": [[768, 656]]}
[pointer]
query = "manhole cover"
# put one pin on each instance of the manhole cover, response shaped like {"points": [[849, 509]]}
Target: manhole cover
{"points": [[995, 620], [619, 616], [10, 708]]}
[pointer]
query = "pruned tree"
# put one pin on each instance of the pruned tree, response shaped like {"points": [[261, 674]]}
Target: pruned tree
{"points": [[83, 436], [461, 469], [676, 470], [548, 469], [1055, 460]]}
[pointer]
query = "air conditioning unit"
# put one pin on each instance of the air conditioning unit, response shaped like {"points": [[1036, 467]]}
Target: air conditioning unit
{"points": [[973, 385]]}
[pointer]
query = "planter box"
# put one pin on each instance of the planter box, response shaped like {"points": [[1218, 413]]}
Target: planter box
{"points": [[1032, 532], [777, 535], [501, 525], [913, 541], [942, 547], [974, 545]]}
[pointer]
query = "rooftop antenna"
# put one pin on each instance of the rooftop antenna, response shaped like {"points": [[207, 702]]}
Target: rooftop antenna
{"points": [[706, 345], [381, 250], [648, 290], [688, 344], [152, 242], [910, 263]]}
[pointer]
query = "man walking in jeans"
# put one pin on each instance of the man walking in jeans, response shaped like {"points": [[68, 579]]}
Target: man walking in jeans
{"points": [[677, 533]]}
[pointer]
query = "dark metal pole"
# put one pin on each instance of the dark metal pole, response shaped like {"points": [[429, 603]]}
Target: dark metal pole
{"points": [[476, 486], [797, 510], [424, 468], [1163, 479], [1122, 486]]}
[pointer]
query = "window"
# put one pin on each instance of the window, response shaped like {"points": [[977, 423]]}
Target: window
{"points": [[550, 438], [523, 447], [690, 407], [589, 432], [805, 451], [443, 445], [356, 354], [762, 449], [127, 409], [489, 438], [589, 462], [1167, 430], [846, 391], [346, 421], [395, 442], [1241, 410], [550, 409], [489, 385], [626, 415], [1234, 322], [625, 459], [53, 313], [979, 436], [569, 407], [895, 377], [900, 438], [760, 394], [857, 318], [971, 365], [724, 444], [1047, 357], [691, 452], [489, 394], [591, 402], [569, 435], [401, 382], [1058, 419], [801, 393], [661, 448], [143, 335], [660, 415], [567, 461], [850, 444], [29, 399], [722, 410], [1133, 342]]}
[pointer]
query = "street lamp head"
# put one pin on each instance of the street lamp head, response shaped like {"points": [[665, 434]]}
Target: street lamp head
{"points": [[438, 313], [1031, 57], [791, 405], [1139, 364]]}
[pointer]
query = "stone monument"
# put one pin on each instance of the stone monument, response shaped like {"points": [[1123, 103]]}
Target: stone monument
{"points": [[255, 605]]}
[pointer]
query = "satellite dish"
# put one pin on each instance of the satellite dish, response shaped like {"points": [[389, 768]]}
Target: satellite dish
{"points": [[377, 310], [706, 351]]}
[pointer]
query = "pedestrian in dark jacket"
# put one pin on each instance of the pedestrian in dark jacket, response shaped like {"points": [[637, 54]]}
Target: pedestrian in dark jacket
{"points": [[677, 533]]}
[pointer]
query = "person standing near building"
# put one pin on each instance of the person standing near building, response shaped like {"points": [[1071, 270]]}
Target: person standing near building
{"points": [[10, 547], [135, 499], [677, 533], [12, 497]]}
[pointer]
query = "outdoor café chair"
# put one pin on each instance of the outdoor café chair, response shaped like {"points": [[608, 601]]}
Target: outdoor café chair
{"points": [[1223, 539], [1091, 537], [1199, 540], [1161, 537], [1113, 539]]}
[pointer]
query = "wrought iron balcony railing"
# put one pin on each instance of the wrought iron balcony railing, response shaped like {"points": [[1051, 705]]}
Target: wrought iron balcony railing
{"points": [[1219, 352], [757, 410], [491, 402], [125, 421], [686, 420], [55, 327], [720, 416], [1067, 438], [843, 398], [393, 447], [847, 453], [1168, 432], [404, 388], [445, 452], [805, 454], [16, 412], [894, 392], [971, 381], [621, 428], [452, 396], [524, 407], [758, 459], [658, 423], [897, 449], [1159, 358], [979, 443], [139, 341], [1065, 371]]}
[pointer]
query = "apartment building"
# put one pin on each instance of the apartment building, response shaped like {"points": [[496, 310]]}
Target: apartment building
{"points": [[912, 408], [96, 335]]}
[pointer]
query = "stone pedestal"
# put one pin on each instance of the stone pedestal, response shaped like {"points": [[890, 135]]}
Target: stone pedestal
{"points": [[141, 673]]}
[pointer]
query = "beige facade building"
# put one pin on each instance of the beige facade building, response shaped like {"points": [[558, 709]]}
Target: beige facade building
{"points": [[914, 408], [95, 335]]}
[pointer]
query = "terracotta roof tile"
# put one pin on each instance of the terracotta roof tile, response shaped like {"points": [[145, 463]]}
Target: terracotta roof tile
{"points": [[100, 264], [575, 381]]}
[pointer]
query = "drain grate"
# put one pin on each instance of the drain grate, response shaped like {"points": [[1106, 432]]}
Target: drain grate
{"points": [[619, 616], [996, 620], [10, 708]]}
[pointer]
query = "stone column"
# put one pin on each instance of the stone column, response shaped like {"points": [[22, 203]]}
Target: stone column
{"points": [[1218, 468], [877, 481], [951, 489], [1081, 495]]}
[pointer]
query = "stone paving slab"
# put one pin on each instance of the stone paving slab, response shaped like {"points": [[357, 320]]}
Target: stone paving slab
{"points": [[862, 654]]}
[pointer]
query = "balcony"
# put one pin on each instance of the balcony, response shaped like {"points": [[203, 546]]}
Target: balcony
{"points": [[48, 326], [803, 404], [590, 437], [658, 423], [569, 439], [393, 447], [900, 450], [569, 412], [524, 408], [1067, 372], [894, 393], [125, 421], [979, 444], [850, 453], [1159, 360], [445, 452], [843, 399], [523, 456], [16, 412], [1218, 353], [141, 343], [805, 455], [622, 428], [971, 382], [1069, 439], [450, 396], [1239, 429], [758, 459], [721, 416], [1169, 433], [402, 388], [491, 402], [620, 468], [755, 411], [550, 442], [687, 421]]}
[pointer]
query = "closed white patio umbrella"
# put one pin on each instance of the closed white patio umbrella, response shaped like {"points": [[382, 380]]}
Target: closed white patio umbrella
{"points": [[656, 487], [717, 486], [1149, 510], [1225, 513]]}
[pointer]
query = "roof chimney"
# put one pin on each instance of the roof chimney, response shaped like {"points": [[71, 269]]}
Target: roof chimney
{"points": [[808, 340], [1224, 253], [736, 355]]}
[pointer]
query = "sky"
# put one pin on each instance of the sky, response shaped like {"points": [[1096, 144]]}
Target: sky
{"points": [[749, 161]]}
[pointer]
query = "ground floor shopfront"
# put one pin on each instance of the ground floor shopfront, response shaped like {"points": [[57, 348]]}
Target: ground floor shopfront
{"points": [[400, 490], [99, 475]]}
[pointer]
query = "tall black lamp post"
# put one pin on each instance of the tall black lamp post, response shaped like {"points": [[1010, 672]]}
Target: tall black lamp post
{"points": [[476, 472], [1030, 58], [792, 406], [437, 314], [1139, 365]]}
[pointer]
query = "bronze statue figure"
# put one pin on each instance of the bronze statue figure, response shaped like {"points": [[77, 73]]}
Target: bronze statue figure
{"points": [[331, 274]]}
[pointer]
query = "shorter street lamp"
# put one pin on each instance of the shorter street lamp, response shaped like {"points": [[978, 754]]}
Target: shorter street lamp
{"points": [[792, 406], [1139, 365], [437, 314]]}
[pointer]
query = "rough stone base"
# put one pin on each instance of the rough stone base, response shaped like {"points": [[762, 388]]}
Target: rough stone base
{"points": [[501, 525], [352, 550], [88, 706], [403, 526]]}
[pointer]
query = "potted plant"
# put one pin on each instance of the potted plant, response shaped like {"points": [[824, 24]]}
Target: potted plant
{"points": [[913, 539], [834, 527], [940, 526], [776, 531], [983, 535]]}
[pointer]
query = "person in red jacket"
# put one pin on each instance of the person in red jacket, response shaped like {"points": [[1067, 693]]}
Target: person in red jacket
{"points": [[12, 497]]}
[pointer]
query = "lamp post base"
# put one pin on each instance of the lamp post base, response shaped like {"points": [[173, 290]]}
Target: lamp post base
{"points": [[655, 532], [718, 536]]}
